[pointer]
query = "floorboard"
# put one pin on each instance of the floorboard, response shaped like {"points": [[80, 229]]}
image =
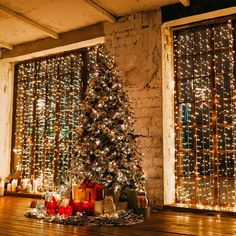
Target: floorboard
{"points": [[166, 223]]}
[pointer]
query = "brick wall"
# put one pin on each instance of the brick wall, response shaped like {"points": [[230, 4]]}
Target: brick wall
{"points": [[135, 41]]}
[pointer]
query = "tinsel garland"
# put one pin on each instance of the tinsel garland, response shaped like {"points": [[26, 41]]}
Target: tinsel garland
{"points": [[121, 218]]}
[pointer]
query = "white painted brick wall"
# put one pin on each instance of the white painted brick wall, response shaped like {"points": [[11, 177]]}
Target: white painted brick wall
{"points": [[135, 41]]}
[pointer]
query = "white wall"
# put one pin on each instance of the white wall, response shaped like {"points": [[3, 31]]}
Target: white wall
{"points": [[6, 108]]}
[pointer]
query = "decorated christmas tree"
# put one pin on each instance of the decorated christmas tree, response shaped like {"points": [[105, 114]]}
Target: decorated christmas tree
{"points": [[107, 152], [106, 156]]}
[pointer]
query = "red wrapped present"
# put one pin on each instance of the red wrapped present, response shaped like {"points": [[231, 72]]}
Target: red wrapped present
{"points": [[51, 206], [98, 192], [78, 207]]}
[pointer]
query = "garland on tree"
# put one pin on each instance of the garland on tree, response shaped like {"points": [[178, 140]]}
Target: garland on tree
{"points": [[107, 152]]}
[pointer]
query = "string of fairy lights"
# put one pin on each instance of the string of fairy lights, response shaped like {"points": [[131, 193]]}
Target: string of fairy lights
{"points": [[205, 115], [48, 94]]}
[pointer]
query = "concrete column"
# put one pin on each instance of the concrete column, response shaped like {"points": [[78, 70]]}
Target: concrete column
{"points": [[168, 116], [6, 109]]}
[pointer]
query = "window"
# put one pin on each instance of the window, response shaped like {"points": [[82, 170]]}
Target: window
{"points": [[205, 119], [48, 92]]}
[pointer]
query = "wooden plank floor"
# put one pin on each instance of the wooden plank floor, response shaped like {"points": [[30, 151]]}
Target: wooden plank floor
{"points": [[13, 222]]}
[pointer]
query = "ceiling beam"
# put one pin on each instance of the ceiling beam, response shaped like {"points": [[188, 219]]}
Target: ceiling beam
{"points": [[105, 13], [66, 39], [186, 3], [27, 20], [6, 45]]}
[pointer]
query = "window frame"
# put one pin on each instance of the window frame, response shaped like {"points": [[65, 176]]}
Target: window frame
{"points": [[216, 172]]}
